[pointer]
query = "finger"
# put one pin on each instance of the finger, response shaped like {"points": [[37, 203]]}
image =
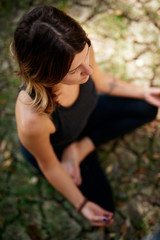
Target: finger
{"points": [[106, 214], [155, 90], [109, 222], [101, 222], [103, 218], [78, 180], [98, 224], [100, 219], [75, 181], [109, 215], [77, 176]]}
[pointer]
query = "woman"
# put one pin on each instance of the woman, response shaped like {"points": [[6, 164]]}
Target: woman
{"points": [[60, 117]]}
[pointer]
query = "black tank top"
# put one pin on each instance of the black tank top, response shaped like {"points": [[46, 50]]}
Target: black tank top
{"points": [[71, 121]]}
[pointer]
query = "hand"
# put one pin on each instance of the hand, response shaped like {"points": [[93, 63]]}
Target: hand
{"points": [[152, 96], [70, 162], [97, 215]]}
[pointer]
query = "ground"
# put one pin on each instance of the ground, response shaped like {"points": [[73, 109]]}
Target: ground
{"points": [[126, 39]]}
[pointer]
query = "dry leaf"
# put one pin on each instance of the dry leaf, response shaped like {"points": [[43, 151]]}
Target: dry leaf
{"points": [[123, 228], [6, 154], [150, 222], [120, 203], [118, 12], [141, 170]]}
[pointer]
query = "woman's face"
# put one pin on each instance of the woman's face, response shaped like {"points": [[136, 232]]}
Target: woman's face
{"points": [[80, 69]]}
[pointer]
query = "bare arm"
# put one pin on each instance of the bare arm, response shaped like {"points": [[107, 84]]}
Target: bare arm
{"points": [[106, 83], [38, 143], [35, 136]]}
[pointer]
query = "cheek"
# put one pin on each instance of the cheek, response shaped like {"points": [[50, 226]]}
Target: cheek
{"points": [[70, 79]]}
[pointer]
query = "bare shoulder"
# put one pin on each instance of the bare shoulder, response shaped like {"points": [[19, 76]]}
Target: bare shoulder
{"points": [[30, 122]]}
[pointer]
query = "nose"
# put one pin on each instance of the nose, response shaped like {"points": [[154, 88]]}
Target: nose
{"points": [[87, 70]]}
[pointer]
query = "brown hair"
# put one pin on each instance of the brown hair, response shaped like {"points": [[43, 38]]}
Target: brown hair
{"points": [[45, 43]]}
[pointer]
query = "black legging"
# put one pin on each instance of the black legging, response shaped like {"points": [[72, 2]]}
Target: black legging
{"points": [[115, 116], [112, 118]]}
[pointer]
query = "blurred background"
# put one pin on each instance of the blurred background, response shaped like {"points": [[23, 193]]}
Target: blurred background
{"points": [[126, 38]]}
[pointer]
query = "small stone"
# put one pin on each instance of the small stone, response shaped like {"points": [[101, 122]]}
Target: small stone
{"points": [[109, 169], [6, 154], [139, 62], [144, 31], [3, 145], [152, 5], [33, 180], [5, 65]]}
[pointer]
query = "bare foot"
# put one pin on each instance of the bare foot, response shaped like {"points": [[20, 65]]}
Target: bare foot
{"points": [[70, 162], [73, 155]]}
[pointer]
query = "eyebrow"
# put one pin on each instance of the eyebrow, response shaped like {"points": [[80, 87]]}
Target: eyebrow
{"points": [[80, 64]]}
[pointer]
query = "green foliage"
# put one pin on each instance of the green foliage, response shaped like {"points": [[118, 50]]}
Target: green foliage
{"points": [[116, 26], [15, 231], [7, 6]]}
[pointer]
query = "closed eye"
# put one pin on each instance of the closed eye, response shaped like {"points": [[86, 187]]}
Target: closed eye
{"points": [[73, 72]]}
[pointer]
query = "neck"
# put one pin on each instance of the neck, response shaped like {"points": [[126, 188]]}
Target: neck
{"points": [[65, 92], [61, 88]]}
